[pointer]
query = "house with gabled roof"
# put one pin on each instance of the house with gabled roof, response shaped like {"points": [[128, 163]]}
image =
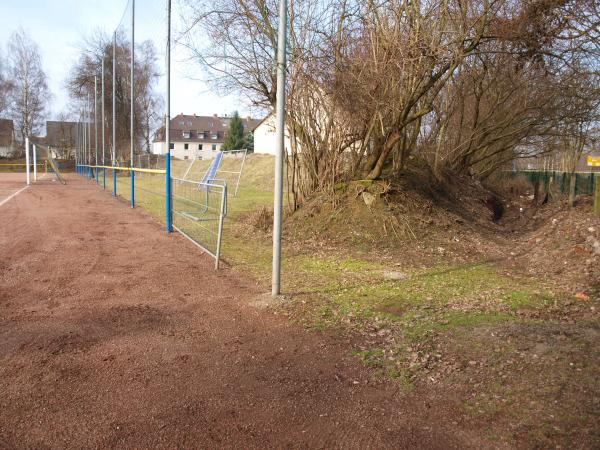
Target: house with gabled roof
{"points": [[197, 137]]}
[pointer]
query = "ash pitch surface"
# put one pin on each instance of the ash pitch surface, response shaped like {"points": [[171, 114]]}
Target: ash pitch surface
{"points": [[115, 334]]}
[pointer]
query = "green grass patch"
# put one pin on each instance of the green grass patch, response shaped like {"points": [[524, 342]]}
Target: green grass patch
{"points": [[528, 300]]}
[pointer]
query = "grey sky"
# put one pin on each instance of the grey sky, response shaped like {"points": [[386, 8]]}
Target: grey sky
{"points": [[58, 26]]}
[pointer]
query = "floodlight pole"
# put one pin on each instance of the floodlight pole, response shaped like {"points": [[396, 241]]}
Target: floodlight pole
{"points": [[84, 127], [78, 146], [80, 143], [34, 149], [132, 102], [27, 158], [114, 114], [89, 136], [280, 110], [96, 124], [168, 125], [103, 130], [78, 153]]}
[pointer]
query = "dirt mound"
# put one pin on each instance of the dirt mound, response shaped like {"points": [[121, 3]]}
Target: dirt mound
{"points": [[422, 221], [414, 214]]}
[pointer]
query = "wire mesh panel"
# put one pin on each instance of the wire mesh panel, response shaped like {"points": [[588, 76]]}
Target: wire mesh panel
{"points": [[198, 213], [584, 181], [150, 191]]}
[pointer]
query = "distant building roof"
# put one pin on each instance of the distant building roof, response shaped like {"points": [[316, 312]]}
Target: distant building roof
{"points": [[7, 132], [195, 128]]}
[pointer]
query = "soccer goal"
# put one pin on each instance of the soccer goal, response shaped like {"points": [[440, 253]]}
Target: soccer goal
{"points": [[231, 168], [51, 161], [224, 168]]}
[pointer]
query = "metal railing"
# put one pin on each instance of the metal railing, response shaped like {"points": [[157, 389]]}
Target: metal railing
{"points": [[199, 210]]}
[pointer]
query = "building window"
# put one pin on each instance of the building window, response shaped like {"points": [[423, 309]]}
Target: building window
{"points": [[214, 147], [186, 157], [185, 146], [187, 134], [215, 136], [171, 145], [199, 146]]}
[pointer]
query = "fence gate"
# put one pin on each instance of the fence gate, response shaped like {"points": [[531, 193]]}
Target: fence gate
{"points": [[198, 213]]}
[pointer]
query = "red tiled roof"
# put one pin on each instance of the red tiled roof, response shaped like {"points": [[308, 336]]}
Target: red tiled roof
{"points": [[202, 128]]}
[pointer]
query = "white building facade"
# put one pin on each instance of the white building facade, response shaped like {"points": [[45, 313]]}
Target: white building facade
{"points": [[265, 137], [197, 137]]}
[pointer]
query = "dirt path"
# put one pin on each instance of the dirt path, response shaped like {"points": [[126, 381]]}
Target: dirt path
{"points": [[113, 334]]}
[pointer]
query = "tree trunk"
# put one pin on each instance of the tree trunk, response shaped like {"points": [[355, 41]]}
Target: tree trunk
{"points": [[597, 196], [388, 147], [572, 189]]}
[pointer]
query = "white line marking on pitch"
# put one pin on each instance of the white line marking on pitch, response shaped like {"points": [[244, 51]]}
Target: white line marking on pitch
{"points": [[14, 194]]}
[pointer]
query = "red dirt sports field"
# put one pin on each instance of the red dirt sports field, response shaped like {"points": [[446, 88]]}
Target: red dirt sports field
{"points": [[115, 334]]}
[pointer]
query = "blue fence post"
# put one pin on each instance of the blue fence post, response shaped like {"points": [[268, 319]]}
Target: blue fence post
{"points": [[114, 182], [132, 187], [168, 191], [103, 177], [97, 180]]}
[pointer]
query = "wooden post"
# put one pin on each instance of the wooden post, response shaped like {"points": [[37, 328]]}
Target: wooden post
{"points": [[536, 187], [572, 188], [597, 196]]}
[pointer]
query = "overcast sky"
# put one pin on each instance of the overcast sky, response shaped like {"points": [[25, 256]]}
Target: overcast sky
{"points": [[58, 27]]}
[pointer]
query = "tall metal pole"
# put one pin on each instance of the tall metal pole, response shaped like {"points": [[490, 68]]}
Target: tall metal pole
{"points": [[85, 169], [168, 125], [280, 110], [89, 136], [34, 151], [103, 130], [78, 149], [96, 125], [132, 102], [27, 157], [80, 142], [114, 114]]}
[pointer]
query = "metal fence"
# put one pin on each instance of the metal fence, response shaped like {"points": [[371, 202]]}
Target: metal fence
{"points": [[584, 181], [198, 213], [197, 209]]}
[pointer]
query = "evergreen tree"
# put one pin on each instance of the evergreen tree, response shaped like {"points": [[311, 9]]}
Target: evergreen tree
{"points": [[249, 142], [234, 137]]}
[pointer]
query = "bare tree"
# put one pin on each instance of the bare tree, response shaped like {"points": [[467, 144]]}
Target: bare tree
{"points": [[147, 103], [30, 94], [466, 86], [150, 103], [6, 87]]}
